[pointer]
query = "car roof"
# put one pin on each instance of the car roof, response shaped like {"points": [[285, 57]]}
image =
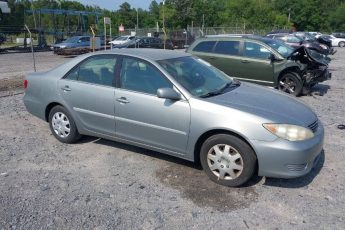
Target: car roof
{"points": [[151, 54], [252, 37]]}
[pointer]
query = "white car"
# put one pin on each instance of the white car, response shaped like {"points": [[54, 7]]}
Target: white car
{"points": [[337, 41], [121, 40], [4, 7]]}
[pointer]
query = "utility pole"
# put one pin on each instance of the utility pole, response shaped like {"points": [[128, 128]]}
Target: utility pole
{"points": [[203, 24], [137, 27], [164, 22], [289, 17]]}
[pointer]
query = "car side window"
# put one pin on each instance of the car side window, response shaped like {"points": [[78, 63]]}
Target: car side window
{"points": [[73, 75], [96, 70], [293, 39], [141, 76], [254, 50], [228, 47], [205, 46]]}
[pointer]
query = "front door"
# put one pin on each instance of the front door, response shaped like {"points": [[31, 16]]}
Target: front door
{"points": [[89, 93], [256, 65], [144, 118]]}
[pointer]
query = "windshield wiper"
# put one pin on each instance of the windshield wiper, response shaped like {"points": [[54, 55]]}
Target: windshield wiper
{"points": [[235, 83]]}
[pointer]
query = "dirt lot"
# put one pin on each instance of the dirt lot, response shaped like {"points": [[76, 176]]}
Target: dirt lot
{"points": [[105, 185]]}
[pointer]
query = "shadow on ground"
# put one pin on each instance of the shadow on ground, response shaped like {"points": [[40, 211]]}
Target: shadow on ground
{"points": [[192, 182], [319, 90]]}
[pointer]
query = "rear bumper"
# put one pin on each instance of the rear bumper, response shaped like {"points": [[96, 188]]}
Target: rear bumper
{"points": [[33, 107], [286, 159]]}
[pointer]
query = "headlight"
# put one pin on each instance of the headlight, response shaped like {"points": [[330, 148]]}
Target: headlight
{"points": [[62, 47], [290, 132]]}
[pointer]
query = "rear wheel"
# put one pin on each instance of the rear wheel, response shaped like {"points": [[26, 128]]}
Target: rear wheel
{"points": [[227, 160], [290, 83], [62, 125], [341, 44]]}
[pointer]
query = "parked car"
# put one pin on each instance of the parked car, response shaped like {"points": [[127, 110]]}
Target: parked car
{"points": [[294, 41], [315, 34], [264, 61], [173, 103], [146, 42], [339, 34], [122, 40], [336, 41], [320, 39], [72, 42]]}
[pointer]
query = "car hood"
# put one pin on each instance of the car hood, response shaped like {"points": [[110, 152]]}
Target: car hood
{"points": [[312, 55], [267, 103]]}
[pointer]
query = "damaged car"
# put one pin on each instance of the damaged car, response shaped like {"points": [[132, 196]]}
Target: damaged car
{"points": [[264, 61]]}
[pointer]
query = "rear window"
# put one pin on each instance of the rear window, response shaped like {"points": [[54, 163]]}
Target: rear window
{"points": [[228, 47], [205, 46]]}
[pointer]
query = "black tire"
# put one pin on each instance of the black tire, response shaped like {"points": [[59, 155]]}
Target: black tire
{"points": [[58, 132], [248, 160], [341, 44], [290, 83]]}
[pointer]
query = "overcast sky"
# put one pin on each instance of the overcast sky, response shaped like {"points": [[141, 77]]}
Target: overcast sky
{"points": [[114, 4]]}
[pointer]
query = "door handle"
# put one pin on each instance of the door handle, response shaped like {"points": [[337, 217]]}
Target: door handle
{"points": [[122, 100], [245, 61], [213, 58], [66, 88]]}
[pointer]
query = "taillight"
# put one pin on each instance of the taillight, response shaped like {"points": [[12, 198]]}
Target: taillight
{"points": [[26, 83]]}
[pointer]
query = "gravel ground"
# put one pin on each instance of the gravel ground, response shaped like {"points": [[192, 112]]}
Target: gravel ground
{"points": [[100, 184]]}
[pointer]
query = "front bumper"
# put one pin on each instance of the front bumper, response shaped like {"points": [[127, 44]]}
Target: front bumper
{"points": [[316, 76], [287, 159]]}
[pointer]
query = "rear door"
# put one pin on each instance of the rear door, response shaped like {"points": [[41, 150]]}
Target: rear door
{"points": [[88, 91], [255, 65], [226, 57]]}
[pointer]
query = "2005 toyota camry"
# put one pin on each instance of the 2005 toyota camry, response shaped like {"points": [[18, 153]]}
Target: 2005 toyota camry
{"points": [[180, 105]]}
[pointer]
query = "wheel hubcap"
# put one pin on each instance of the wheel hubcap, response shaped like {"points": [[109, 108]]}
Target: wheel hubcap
{"points": [[225, 162], [61, 125], [287, 85]]}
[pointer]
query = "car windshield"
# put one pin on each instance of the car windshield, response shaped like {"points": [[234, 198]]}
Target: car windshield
{"points": [[72, 40], [280, 47], [197, 76], [122, 38]]}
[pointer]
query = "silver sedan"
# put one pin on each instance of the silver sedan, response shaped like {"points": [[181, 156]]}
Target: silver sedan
{"points": [[177, 104]]}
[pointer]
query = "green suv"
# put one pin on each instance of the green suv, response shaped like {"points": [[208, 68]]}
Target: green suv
{"points": [[264, 61]]}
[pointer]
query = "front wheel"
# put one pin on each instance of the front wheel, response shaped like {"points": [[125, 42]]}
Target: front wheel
{"points": [[227, 160], [62, 125], [341, 44], [290, 83]]}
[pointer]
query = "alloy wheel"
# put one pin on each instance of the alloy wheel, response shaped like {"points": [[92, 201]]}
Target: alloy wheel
{"points": [[287, 84]]}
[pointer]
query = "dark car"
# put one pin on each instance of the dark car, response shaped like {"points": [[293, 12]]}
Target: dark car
{"points": [[321, 40], [264, 61], [295, 41], [339, 34], [147, 42]]}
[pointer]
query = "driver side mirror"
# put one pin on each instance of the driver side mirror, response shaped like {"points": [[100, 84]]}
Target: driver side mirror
{"points": [[273, 58], [168, 93]]}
